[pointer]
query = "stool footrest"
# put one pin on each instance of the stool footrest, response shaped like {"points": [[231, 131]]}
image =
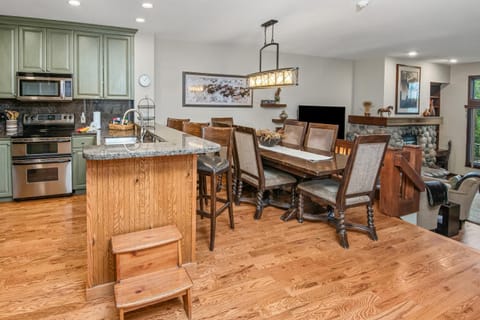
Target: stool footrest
{"points": [[145, 239], [150, 288]]}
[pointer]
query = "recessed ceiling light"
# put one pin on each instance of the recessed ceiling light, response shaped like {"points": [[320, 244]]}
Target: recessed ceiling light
{"points": [[362, 3], [412, 53], [147, 5], [140, 20], [74, 3], [453, 60]]}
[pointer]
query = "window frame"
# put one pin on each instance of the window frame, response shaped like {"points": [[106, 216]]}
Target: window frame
{"points": [[472, 107]]}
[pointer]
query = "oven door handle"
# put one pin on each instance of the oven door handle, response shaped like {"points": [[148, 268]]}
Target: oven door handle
{"points": [[39, 140], [39, 161]]}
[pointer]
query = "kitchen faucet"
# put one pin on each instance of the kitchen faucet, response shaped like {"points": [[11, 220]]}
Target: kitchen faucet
{"points": [[140, 116]]}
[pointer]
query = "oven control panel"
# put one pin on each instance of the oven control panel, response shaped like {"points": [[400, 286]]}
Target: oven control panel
{"points": [[49, 119]]}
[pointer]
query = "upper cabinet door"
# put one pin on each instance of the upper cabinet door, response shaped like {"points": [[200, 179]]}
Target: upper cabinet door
{"points": [[118, 71], [88, 75], [59, 51], [8, 60], [31, 49]]}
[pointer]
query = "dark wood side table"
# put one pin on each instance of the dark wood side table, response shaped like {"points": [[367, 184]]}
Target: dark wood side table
{"points": [[448, 222]]}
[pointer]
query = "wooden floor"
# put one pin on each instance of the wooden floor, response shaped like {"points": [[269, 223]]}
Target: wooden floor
{"points": [[263, 269]]}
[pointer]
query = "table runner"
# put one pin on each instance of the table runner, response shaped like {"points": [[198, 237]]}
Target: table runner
{"points": [[297, 153]]}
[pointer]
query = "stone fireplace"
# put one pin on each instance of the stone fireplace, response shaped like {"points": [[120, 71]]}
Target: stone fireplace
{"points": [[422, 131]]}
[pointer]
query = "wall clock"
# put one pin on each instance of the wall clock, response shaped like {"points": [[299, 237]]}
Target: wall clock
{"points": [[144, 80]]}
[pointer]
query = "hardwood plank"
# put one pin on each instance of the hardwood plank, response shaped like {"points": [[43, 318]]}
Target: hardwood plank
{"points": [[263, 269]]}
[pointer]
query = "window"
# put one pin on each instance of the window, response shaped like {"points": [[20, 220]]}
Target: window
{"points": [[473, 123]]}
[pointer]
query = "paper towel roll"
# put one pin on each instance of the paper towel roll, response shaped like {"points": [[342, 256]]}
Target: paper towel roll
{"points": [[97, 119]]}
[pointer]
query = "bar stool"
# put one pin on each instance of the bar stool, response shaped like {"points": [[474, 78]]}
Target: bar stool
{"points": [[176, 123], [194, 128], [215, 167]]}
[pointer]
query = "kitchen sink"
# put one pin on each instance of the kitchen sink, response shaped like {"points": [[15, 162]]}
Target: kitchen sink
{"points": [[120, 140], [148, 138]]}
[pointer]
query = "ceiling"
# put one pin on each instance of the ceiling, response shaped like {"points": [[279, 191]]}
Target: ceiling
{"points": [[437, 29]]}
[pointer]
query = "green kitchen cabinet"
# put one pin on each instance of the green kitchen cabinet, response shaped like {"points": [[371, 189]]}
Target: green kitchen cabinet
{"points": [[45, 50], [104, 67], [79, 164], [5, 169], [88, 75], [118, 71], [8, 60], [59, 51]]}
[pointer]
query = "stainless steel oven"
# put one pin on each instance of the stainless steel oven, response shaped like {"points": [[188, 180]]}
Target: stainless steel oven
{"points": [[41, 177], [42, 156]]}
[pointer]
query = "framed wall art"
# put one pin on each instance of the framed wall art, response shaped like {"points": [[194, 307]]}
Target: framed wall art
{"points": [[215, 90], [408, 90]]}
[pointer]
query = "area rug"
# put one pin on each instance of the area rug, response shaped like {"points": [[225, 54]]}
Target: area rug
{"points": [[474, 214]]}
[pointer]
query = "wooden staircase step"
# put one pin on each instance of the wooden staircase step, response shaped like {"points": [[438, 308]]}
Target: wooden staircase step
{"points": [[150, 288], [145, 239]]}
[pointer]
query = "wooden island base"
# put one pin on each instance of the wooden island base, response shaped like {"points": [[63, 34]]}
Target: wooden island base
{"points": [[127, 195]]}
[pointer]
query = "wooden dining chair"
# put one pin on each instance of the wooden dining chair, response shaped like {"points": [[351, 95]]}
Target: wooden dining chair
{"points": [[222, 122], [215, 167], [343, 146], [194, 128], [250, 170], [356, 188], [293, 133], [321, 136], [176, 123]]}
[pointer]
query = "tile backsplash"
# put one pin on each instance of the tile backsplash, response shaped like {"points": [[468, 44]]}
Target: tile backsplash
{"points": [[108, 108]]}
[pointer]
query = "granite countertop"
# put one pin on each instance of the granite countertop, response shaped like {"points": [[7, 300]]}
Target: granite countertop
{"points": [[170, 142]]}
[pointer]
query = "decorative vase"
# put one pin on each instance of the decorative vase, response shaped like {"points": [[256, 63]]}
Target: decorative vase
{"points": [[283, 115]]}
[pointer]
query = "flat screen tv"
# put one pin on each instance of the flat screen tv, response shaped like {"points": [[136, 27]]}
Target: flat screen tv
{"points": [[324, 114]]}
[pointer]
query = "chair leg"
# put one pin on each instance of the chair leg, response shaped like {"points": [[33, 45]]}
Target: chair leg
{"points": [[201, 192], [371, 223], [342, 232], [187, 303], [122, 314], [213, 210], [259, 210], [230, 198], [239, 192], [301, 204]]}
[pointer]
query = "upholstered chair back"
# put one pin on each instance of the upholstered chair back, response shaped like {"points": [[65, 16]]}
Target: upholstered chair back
{"points": [[321, 136], [294, 133], [246, 151], [363, 165]]}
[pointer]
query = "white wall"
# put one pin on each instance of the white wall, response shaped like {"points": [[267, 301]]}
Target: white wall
{"points": [[453, 100], [368, 84], [430, 72], [321, 81], [144, 56]]}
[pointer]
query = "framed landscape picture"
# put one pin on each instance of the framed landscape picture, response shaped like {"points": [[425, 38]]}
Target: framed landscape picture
{"points": [[215, 90], [408, 90]]}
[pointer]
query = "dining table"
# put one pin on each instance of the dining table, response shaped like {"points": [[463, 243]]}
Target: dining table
{"points": [[303, 163]]}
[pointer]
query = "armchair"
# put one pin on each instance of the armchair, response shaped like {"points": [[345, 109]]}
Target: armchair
{"points": [[464, 192]]}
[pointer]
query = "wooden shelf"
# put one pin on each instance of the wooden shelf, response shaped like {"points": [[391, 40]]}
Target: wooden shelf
{"points": [[273, 105], [395, 121]]}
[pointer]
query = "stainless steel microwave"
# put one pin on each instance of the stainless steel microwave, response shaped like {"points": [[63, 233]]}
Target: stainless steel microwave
{"points": [[44, 87]]}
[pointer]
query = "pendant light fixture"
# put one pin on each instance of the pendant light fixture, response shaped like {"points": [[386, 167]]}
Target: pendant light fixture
{"points": [[276, 77]]}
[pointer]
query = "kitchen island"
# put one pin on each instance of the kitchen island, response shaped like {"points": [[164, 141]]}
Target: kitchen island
{"points": [[132, 187]]}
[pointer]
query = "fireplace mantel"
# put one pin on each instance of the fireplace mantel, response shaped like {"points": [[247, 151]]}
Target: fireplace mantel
{"points": [[395, 121]]}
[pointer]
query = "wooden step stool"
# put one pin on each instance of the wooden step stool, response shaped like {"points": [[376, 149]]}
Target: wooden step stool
{"points": [[149, 269]]}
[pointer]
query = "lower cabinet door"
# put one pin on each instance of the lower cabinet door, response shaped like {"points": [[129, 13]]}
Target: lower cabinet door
{"points": [[5, 170]]}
